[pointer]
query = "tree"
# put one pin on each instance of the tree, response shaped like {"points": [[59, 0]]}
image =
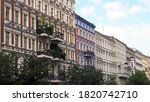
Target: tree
{"points": [[111, 80], [8, 68], [139, 78], [34, 71], [84, 76]]}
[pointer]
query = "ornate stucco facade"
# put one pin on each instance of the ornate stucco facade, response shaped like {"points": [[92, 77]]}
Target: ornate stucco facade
{"points": [[19, 24], [85, 42], [20, 29], [105, 54]]}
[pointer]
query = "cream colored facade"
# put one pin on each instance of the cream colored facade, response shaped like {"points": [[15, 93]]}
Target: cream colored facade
{"points": [[131, 60], [122, 66], [105, 54], [20, 19], [148, 69], [138, 59], [144, 63]]}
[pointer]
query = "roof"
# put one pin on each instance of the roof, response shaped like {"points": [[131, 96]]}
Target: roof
{"points": [[104, 36], [85, 21]]}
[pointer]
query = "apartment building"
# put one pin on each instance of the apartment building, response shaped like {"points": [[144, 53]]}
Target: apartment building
{"points": [[144, 62], [138, 59], [122, 65], [19, 24], [130, 60], [85, 43], [105, 54], [18, 28], [21, 28], [148, 69]]}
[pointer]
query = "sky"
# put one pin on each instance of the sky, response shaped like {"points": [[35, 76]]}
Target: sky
{"points": [[127, 20]]}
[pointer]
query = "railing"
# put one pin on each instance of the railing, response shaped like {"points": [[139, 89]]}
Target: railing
{"points": [[17, 49], [89, 53], [44, 53], [58, 37], [124, 75]]}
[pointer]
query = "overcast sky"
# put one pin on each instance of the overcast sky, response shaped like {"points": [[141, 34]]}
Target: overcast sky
{"points": [[127, 20]]}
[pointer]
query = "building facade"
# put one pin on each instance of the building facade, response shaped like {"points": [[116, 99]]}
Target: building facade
{"points": [[148, 69], [131, 60], [138, 59], [85, 43], [122, 66], [144, 62], [105, 54], [20, 23]]}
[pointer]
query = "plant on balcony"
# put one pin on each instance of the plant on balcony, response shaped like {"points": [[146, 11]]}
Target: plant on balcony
{"points": [[48, 52], [57, 52], [44, 27]]}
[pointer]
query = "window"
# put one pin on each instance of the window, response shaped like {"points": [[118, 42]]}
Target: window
{"points": [[7, 13], [29, 43], [46, 9], [52, 11], [16, 40], [73, 55], [78, 45], [78, 60], [25, 20], [16, 16], [67, 19], [68, 37], [57, 14], [62, 17], [40, 45], [7, 38], [39, 5], [33, 23], [80, 32], [81, 47], [81, 61], [68, 54], [132, 64], [71, 38], [32, 3], [33, 44], [25, 42]]}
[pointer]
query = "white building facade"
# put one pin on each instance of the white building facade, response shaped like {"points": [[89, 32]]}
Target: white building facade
{"points": [[105, 54], [122, 66], [138, 59]]}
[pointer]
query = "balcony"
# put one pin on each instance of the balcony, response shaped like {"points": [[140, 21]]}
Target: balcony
{"points": [[43, 53], [70, 44], [89, 53], [57, 53], [44, 33], [44, 29], [11, 48], [57, 37], [123, 75]]}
